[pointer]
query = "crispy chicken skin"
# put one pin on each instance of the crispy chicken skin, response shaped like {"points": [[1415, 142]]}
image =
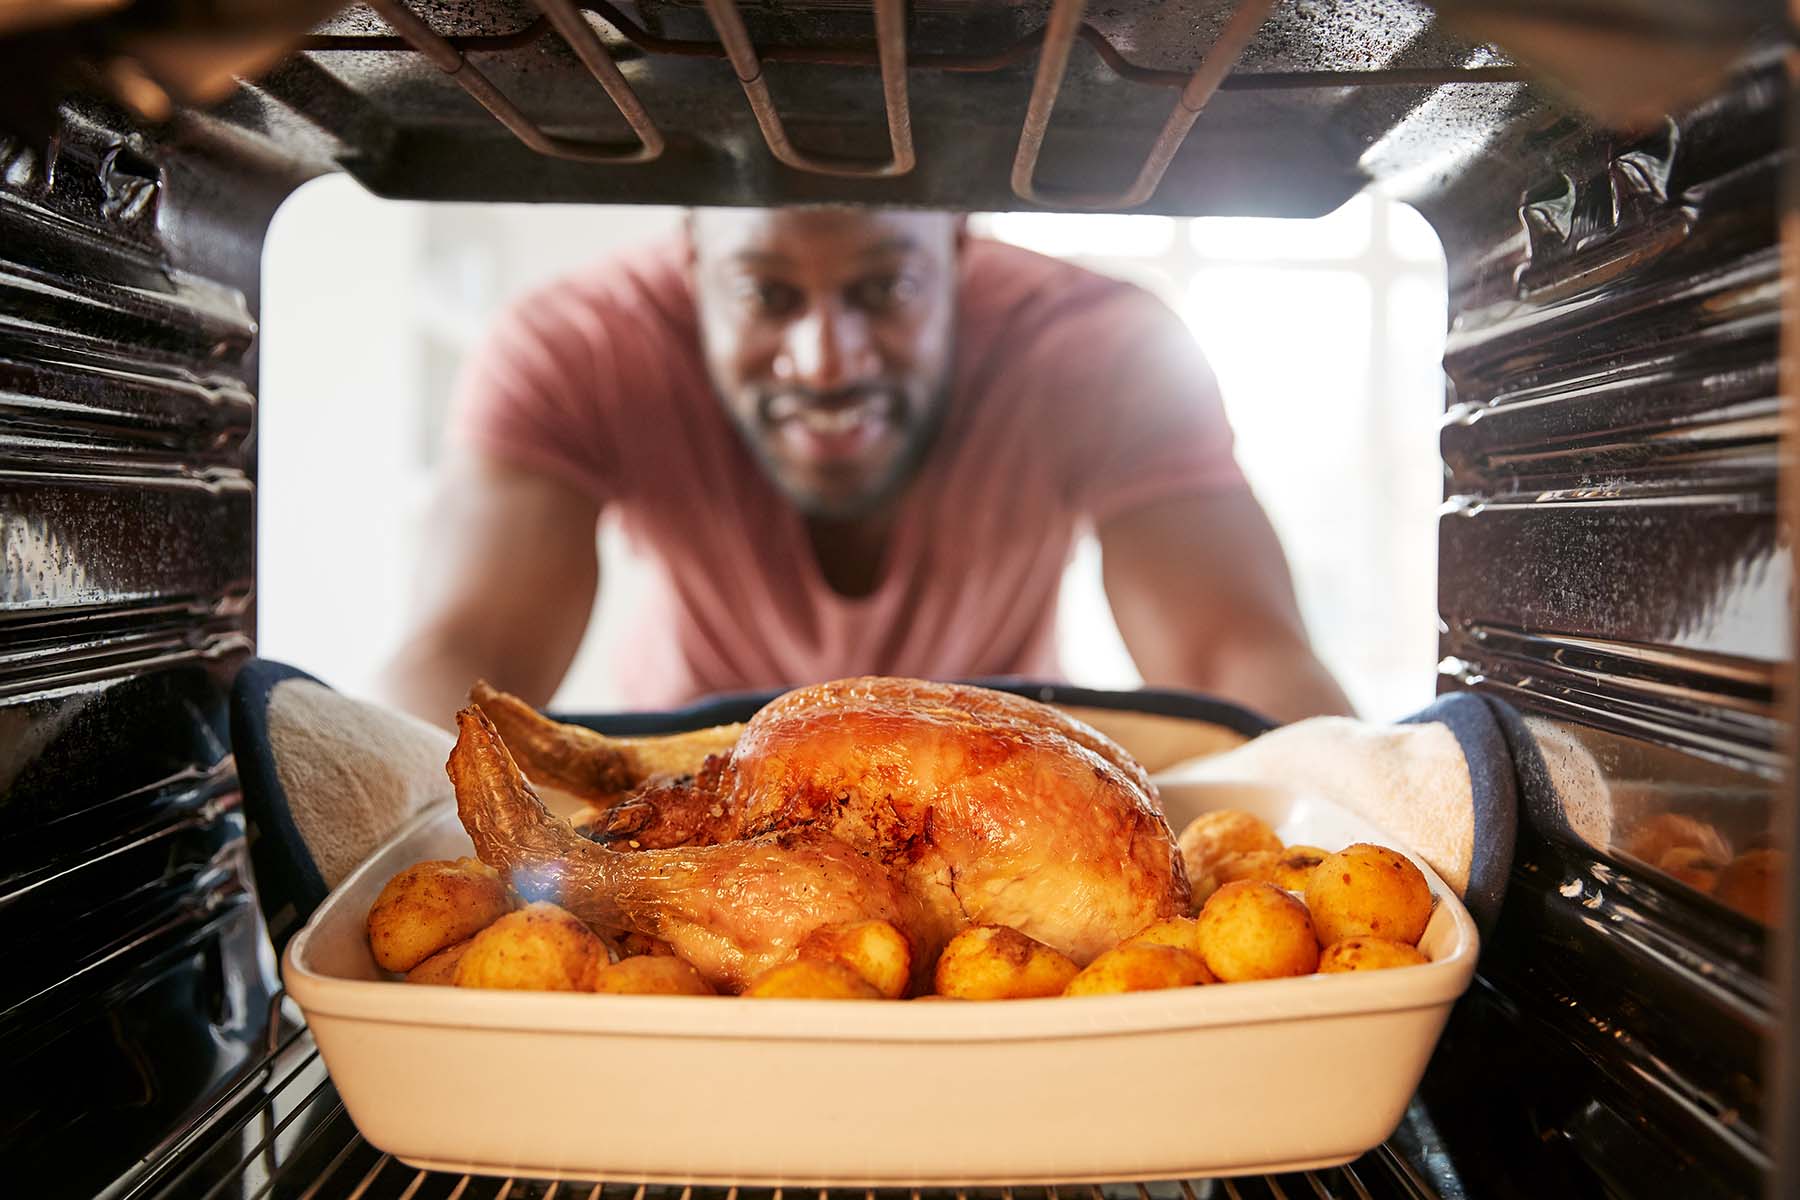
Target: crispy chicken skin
{"points": [[596, 768], [932, 806]]}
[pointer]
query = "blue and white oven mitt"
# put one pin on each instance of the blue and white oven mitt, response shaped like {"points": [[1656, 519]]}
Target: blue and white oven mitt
{"points": [[328, 778]]}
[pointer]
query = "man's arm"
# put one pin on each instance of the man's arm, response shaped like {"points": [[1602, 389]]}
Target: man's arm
{"points": [[506, 583], [1200, 590]]}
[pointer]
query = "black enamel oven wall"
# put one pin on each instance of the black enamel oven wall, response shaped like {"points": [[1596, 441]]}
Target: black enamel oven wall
{"points": [[137, 974]]}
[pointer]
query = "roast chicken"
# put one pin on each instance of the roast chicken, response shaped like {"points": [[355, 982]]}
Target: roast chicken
{"points": [[932, 806]]}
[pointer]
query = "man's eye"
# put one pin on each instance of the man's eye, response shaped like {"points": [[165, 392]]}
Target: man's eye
{"points": [[771, 299], [881, 292]]}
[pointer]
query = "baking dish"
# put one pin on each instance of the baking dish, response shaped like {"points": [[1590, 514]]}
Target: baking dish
{"points": [[1229, 1079]]}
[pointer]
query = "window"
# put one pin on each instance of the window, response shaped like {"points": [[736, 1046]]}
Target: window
{"points": [[1327, 337]]}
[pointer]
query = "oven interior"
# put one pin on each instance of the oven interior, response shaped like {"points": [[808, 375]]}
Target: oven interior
{"points": [[1606, 176]]}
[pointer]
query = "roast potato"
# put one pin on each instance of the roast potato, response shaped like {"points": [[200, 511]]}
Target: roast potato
{"points": [[1295, 866], [539, 948], [1183, 933], [440, 968], [650, 975], [1291, 868], [431, 905], [811, 979], [1751, 884], [1212, 837], [1368, 954], [995, 962], [1139, 967], [875, 950], [1367, 890], [1255, 930], [1654, 837], [1692, 865]]}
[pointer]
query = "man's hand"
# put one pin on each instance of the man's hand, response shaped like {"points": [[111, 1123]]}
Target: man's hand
{"points": [[1200, 590], [506, 583]]}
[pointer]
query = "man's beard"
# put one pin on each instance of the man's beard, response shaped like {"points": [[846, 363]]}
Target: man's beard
{"points": [[915, 423]]}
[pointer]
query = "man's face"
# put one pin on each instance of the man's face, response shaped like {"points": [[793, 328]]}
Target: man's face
{"points": [[828, 333]]}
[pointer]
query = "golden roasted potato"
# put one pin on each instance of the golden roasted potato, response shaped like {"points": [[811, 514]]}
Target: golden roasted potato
{"points": [[995, 962], [1212, 837], [811, 979], [440, 968], [1253, 864], [1751, 884], [1255, 930], [431, 905], [1295, 866], [1655, 837], [1366, 890], [1291, 868], [1368, 954], [1693, 866], [650, 975], [1183, 933], [875, 950], [540, 948], [1140, 967]]}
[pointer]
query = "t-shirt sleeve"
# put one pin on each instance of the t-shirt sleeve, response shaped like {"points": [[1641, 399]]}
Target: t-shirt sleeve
{"points": [[535, 394], [1142, 409]]}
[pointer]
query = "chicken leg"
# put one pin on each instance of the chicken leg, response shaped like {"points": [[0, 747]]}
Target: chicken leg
{"points": [[732, 910], [591, 766]]}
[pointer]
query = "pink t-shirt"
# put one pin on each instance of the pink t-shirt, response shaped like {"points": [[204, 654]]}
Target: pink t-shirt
{"points": [[1073, 398]]}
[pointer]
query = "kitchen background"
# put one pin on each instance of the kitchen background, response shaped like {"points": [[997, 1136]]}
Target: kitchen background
{"points": [[1326, 336]]}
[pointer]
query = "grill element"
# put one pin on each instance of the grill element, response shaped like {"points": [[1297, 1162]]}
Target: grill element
{"points": [[1059, 39], [890, 38], [587, 47]]}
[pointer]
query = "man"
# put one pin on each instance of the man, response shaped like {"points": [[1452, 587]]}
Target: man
{"points": [[850, 441]]}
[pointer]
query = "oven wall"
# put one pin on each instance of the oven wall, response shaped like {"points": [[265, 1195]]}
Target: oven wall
{"points": [[137, 975], [1611, 567]]}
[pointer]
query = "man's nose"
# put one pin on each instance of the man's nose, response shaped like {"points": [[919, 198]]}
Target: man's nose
{"points": [[826, 349]]}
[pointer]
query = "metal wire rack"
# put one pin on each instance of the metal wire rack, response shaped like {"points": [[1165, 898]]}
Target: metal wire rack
{"points": [[1053, 45], [283, 1134]]}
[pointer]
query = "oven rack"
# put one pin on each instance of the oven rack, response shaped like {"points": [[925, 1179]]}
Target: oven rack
{"points": [[283, 1134], [1053, 45]]}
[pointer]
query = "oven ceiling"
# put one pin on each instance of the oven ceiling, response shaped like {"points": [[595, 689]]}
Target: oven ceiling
{"points": [[1284, 134], [1314, 97]]}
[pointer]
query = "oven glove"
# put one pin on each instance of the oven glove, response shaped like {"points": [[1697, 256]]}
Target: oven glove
{"points": [[1442, 783]]}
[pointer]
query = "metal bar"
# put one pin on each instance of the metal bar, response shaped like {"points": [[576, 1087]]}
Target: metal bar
{"points": [[587, 47], [1053, 63], [890, 42], [337, 1160], [375, 1170], [300, 1149], [999, 60]]}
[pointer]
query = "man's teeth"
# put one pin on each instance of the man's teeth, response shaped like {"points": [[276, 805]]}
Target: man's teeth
{"points": [[835, 420]]}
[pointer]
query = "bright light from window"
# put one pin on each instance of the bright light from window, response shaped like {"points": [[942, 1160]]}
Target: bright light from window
{"points": [[1340, 234], [1081, 236], [1412, 236]]}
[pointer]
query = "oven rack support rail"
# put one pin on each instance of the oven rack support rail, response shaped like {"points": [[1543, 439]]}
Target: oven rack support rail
{"points": [[1053, 44]]}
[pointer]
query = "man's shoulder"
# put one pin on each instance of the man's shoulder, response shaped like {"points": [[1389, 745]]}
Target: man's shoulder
{"points": [[645, 284], [1004, 284]]}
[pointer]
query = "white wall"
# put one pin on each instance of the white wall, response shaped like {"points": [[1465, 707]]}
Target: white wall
{"points": [[1325, 335]]}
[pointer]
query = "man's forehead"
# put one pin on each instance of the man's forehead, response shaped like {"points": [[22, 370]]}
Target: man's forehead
{"points": [[773, 234]]}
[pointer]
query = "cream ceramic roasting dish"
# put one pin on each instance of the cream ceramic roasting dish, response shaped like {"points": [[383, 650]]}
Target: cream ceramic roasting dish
{"points": [[1229, 1079]]}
